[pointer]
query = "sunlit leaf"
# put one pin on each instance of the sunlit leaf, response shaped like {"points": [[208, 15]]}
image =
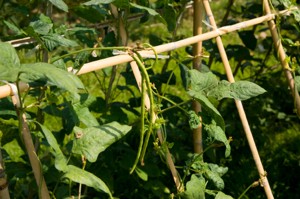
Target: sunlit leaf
{"points": [[97, 2], [47, 74], [221, 91], [195, 188], [84, 177], [14, 151], [8, 57], [194, 120], [221, 195], [244, 90], [202, 82], [60, 4], [91, 141]]}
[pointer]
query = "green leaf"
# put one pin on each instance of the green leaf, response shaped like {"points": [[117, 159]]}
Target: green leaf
{"points": [[14, 151], [60, 4], [218, 134], [8, 57], [213, 176], [93, 140], [297, 83], [208, 108], [149, 10], [60, 159], [84, 177], [54, 40], [240, 90], [43, 25], [13, 27], [221, 91], [142, 174], [48, 74], [202, 82], [195, 188], [244, 90], [222, 195], [97, 2]]}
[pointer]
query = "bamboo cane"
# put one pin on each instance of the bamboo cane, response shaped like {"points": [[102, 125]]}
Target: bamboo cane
{"points": [[33, 158], [4, 193], [197, 50], [239, 105], [282, 56], [120, 59], [176, 178]]}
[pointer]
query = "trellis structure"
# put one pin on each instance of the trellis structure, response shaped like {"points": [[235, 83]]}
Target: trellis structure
{"points": [[216, 33]]}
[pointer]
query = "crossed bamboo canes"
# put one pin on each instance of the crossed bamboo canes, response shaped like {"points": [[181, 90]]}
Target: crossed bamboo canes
{"points": [[263, 178], [124, 58]]}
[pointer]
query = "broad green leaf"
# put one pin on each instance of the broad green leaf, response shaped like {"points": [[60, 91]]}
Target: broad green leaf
{"points": [[60, 159], [202, 82], [169, 15], [208, 108], [218, 134], [14, 151], [240, 90], [84, 177], [47, 74], [222, 195], [54, 40], [60, 4], [42, 26], [195, 188], [8, 57], [221, 91], [297, 83], [97, 2], [244, 90], [184, 74], [91, 141], [13, 27]]}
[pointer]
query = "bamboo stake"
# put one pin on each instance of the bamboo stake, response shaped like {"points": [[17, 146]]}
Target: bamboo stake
{"points": [[282, 56], [240, 108], [33, 158], [120, 59], [197, 50], [4, 193], [170, 163]]}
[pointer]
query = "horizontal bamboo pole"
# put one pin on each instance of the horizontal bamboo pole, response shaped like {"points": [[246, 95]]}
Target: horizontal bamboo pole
{"points": [[120, 59]]}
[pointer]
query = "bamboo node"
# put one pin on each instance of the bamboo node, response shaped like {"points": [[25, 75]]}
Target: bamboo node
{"points": [[263, 178], [14, 92]]}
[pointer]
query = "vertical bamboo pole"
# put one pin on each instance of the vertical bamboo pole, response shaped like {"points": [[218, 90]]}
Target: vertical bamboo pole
{"points": [[4, 193], [169, 160], [282, 56], [33, 158], [240, 108], [197, 50]]}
